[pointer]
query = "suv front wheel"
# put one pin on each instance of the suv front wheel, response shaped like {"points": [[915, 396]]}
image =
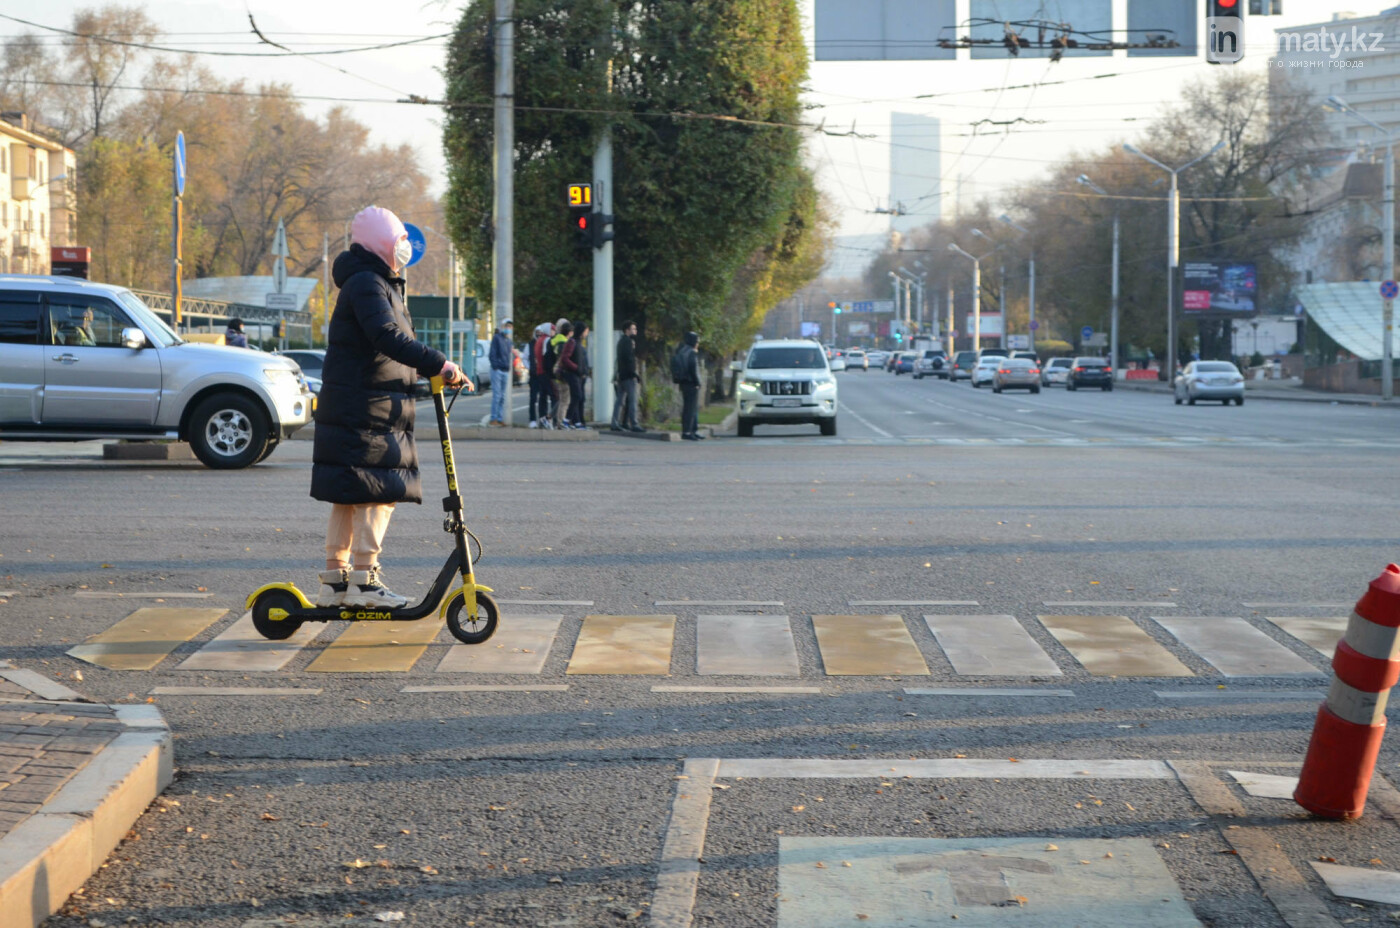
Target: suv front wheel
{"points": [[229, 431]]}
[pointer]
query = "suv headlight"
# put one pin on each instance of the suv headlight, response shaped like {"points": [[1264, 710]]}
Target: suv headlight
{"points": [[751, 383], [282, 375], [821, 383]]}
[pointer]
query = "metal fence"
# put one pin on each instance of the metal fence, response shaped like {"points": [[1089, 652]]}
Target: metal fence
{"points": [[213, 315]]}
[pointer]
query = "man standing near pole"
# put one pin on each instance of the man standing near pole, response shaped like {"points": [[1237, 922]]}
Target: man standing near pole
{"points": [[624, 415], [502, 358]]}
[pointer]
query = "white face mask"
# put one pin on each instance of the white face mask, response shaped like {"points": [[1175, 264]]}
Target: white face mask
{"points": [[403, 251]]}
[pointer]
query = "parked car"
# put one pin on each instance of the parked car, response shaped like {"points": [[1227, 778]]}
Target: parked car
{"points": [[932, 362], [985, 369], [1055, 371], [904, 364], [1016, 374], [786, 382], [877, 358], [963, 363], [856, 360], [1090, 372], [1209, 380], [310, 360], [82, 360]]}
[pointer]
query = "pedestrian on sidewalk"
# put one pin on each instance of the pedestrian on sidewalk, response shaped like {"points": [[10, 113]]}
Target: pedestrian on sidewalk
{"points": [[685, 371], [502, 358], [363, 457], [560, 343], [624, 414], [540, 390], [583, 369]]}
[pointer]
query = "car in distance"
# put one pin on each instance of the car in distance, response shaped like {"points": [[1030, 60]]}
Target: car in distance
{"points": [[932, 362], [1209, 380], [1016, 374], [994, 353], [963, 363], [856, 360], [310, 360], [82, 360], [1055, 371], [904, 364], [786, 382], [1090, 372], [877, 358], [985, 369]]}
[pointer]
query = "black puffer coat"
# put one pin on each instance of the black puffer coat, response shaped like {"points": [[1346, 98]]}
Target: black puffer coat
{"points": [[363, 451]]}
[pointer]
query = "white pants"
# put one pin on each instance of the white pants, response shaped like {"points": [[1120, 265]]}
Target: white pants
{"points": [[358, 530]]}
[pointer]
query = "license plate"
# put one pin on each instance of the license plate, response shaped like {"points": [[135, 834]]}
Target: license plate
{"points": [[793, 401]]}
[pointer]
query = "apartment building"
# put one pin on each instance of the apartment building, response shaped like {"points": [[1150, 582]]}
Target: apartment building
{"points": [[38, 197]]}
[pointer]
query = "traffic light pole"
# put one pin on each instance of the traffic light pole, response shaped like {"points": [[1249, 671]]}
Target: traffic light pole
{"points": [[503, 207], [604, 339]]}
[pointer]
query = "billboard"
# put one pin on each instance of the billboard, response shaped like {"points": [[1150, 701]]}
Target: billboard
{"points": [[884, 30], [991, 325], [811, 329], [858, 329], [1220, 287]]}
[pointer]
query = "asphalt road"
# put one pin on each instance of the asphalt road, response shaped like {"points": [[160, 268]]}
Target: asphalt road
{"points": [[551, 807]]}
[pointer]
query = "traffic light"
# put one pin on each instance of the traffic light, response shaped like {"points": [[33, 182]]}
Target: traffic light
{"points": [[280, 329], [599, 233], [583, 228], [580, 199], [1224, 31]]}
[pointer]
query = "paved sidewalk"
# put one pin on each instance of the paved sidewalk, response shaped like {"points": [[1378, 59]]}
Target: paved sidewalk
{"points": [[74, 777]]}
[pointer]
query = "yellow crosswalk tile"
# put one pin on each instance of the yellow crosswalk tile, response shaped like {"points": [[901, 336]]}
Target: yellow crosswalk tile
{"points": [[1319, 632], [1113, 645], [143, 639], [859, 645], [377, 647], [624, 644]]}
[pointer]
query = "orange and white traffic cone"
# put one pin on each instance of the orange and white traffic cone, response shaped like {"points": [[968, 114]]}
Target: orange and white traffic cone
{"points": [[1351, 723]]}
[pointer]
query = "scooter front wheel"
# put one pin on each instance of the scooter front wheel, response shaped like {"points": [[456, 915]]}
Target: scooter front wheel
{"points": [[276, 629], [463, 628]]}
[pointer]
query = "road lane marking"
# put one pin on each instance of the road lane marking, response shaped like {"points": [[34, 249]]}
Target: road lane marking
{"points": [[990, 646], [1320, 632], [1265, 785], [1110, 604], [240, 648], [678, 876], [38, 684], [745, 646], [143, 639], [544, 602], [1236, 694], [912, 602], [1296, 605], [107, 594], [624, 644], [488, 688], [770, 690], [1234, 647], [521, 644], [867, 645], [233, 691], [984, 691], [377, 647], [865, 422], [1112, 645], [1367, 883], [717, 602], [945, 768]]}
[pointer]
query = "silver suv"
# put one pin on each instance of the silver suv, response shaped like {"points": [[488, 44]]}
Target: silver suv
{"points": [[786, 382], [81, 360]]}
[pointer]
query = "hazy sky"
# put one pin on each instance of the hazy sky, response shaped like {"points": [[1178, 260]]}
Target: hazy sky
{"points": [[1080, 115]]}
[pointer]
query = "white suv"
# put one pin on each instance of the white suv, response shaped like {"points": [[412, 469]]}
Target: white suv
{"points": [[786, 382]]}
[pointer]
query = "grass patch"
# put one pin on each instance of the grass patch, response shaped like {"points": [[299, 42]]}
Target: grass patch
{"points": [[708, 415]]}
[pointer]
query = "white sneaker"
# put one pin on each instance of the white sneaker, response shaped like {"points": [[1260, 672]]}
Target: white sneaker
{"points": [[366, 589], [534, 423], [333, 586]]}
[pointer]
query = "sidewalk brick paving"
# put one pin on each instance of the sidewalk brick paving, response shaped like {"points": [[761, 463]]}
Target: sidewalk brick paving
{"points": [[42, 745]]}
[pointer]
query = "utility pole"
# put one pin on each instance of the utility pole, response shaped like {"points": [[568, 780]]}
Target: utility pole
{"points": [[952, 323], [1113, 323], [604, 341], [451, 300], [976, 294], [326, 287], [503, 208], [1001, 303], [177, 217], [1030, 295]]}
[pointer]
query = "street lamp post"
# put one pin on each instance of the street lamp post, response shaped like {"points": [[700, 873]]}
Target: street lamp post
{"points": [[1338, 105], [1173, 242], [976, 294], [1030, 291], [1001, 286], [1113, 324]]}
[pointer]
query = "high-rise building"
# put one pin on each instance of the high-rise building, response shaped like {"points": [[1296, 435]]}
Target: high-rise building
{"points": [[38, 203], [916, 184]]}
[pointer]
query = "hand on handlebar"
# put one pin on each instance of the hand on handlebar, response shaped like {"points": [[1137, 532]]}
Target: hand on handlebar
{"points": [[453, 375]]}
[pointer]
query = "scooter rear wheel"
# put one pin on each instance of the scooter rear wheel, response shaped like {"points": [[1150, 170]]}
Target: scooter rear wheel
{"points": [[462, 626], [276, 629]]}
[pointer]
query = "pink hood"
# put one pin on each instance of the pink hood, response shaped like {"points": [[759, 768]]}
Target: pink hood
{"points": [[378, 230]]}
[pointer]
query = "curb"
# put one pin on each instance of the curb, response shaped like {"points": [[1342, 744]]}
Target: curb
{"points": [[1265, 394], [484, 433], [148, 451], [52, 853]]}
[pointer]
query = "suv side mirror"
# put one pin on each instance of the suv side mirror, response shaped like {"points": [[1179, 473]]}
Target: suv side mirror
{"points": [[133, 338], [736, 366]]}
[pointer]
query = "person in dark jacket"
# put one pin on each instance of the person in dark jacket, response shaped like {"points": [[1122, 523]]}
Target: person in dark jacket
{"points": [[625, 399], [689, 382], [363, 457], [576, 367], [502, 358], [234, 336], [560, 343], [541, 391]]}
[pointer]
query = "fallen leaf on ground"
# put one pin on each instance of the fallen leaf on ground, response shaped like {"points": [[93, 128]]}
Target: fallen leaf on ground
{"points": [[269, 817]]}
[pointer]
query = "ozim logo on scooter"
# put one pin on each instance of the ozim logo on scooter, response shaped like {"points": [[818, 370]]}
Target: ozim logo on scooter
{"points": [[363, 616], [451, 464]]}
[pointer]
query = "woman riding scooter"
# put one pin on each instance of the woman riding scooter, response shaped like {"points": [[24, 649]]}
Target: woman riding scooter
{"points": [[364, 459]]}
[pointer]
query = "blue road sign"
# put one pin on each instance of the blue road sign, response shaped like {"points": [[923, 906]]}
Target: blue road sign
{"points": [[416, 241], [1087, 332], [1390, 290], [1035, 324], [179, 164]]}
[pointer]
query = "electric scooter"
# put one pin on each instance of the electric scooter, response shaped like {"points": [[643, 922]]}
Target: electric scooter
{"points": [[279, 609]]}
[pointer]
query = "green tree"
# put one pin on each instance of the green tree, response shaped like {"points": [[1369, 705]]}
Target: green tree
{"points": [[717, 218]]}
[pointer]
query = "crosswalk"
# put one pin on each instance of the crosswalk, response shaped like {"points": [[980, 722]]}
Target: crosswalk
{"points": [[906, 642], [1102, 441]]}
